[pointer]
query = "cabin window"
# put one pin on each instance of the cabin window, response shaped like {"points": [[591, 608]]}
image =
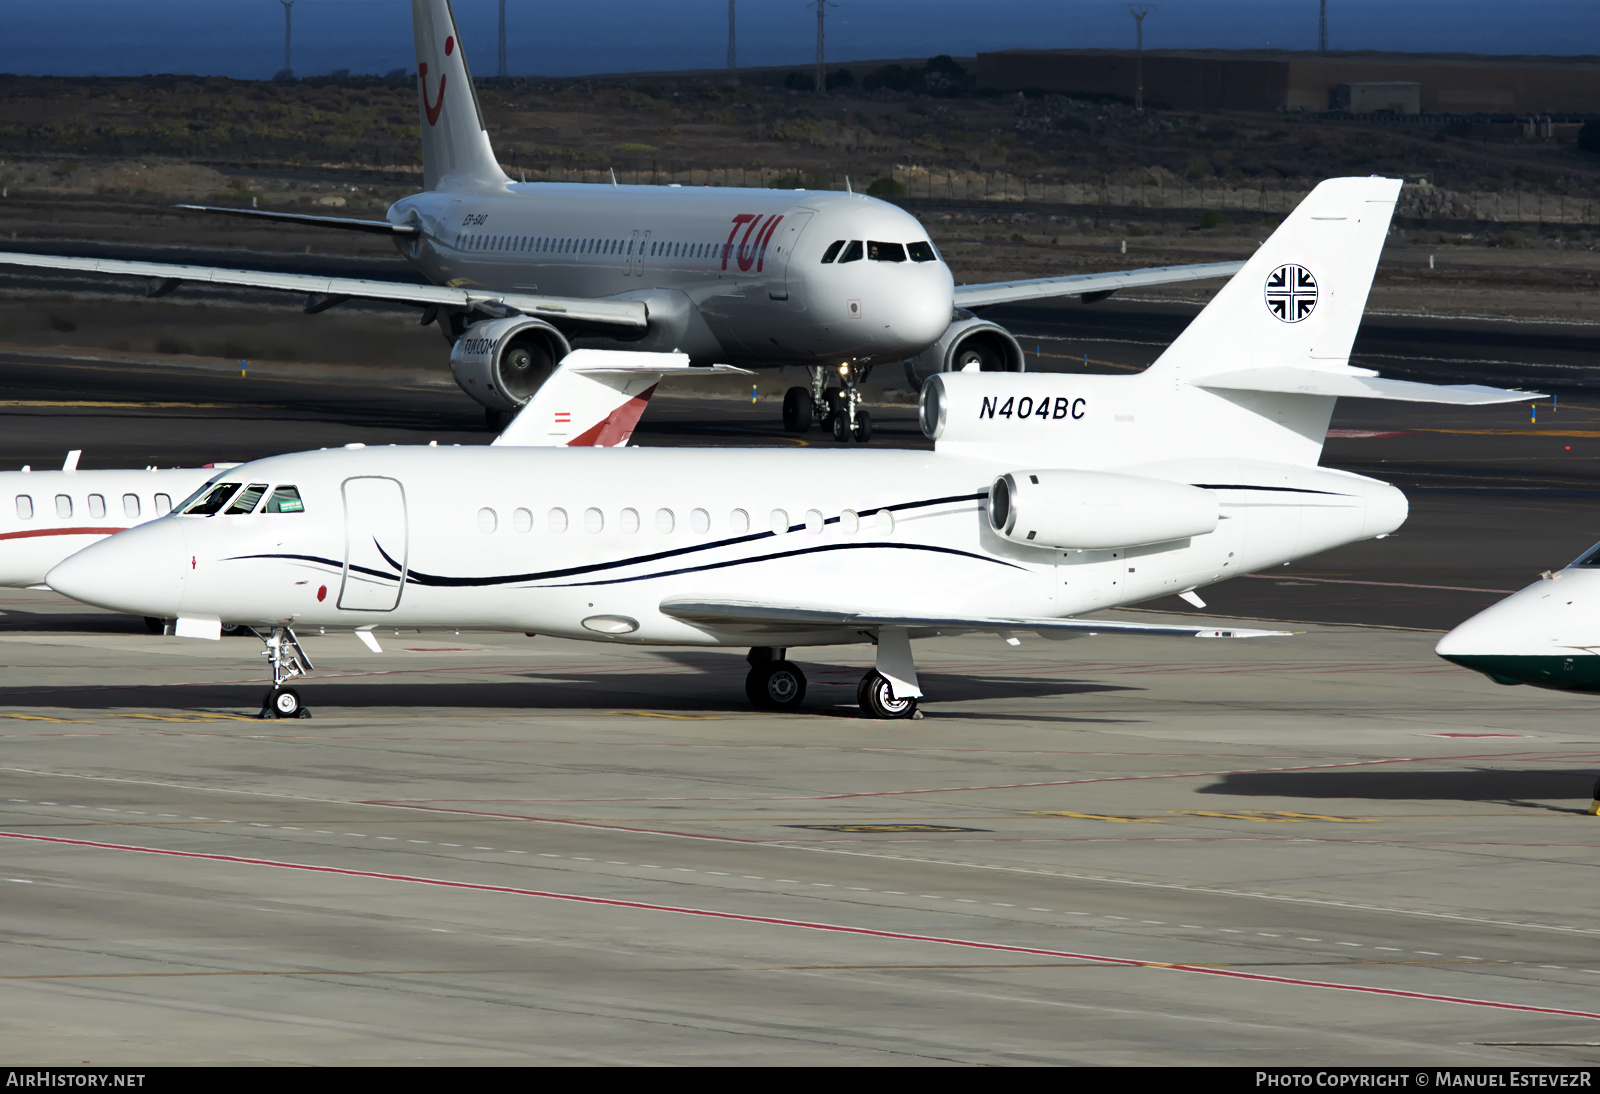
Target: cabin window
{"points": [[130, 505], [487, 520], [285, 499], [922, 252], [815, 521], [558, 520], [849, 522], [699, 522], [24, 507], [833, 250], [63, 506], [97, 505], [245, 503], [163, 504], [665, 521], [852, 251], [739, 522], [628, 520], [884, 520], [522, 520], [594, 521], [885, 252], [780, 521]]}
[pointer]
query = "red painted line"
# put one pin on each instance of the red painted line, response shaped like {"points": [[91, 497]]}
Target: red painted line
{"points": [[33, 533], [1384, 584], [830, 928]]}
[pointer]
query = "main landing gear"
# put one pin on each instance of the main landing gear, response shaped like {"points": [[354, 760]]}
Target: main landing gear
{"points": [[839, 408], [288, 660], [889, 690]]}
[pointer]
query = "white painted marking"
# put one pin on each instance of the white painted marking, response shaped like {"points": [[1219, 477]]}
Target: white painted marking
{"points": [[20, 880]]}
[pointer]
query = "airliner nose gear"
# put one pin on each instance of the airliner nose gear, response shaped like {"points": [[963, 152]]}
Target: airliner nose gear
{"points": [[773, 683], [288, 660]]}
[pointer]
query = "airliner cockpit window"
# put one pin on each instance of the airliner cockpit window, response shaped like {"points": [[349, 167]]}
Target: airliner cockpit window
{"points": [[1591, 557], [212, 501], [833, 250], [921, 252], [285, 499], [852, 251], [246, 502], [885, 252]]}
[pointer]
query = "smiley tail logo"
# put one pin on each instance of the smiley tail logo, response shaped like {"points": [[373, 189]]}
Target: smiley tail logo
{"points": [[432, 110], [1291, 293]]}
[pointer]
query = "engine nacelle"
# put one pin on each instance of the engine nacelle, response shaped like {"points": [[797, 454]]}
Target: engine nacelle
{"points": [[502, 362], [1095, 510], [968, 341]]}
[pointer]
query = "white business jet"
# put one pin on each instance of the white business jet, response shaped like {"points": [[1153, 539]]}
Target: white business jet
{"points": [[1046, 496], [835, 282]]}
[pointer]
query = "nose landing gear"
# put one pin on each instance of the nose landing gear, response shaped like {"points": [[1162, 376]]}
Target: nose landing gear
{"points": [[840, 408], [288, 660]]}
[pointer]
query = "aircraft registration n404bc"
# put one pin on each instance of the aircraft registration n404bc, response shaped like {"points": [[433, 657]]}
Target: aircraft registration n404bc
{"points": [[835, 282], [1046, 496]]}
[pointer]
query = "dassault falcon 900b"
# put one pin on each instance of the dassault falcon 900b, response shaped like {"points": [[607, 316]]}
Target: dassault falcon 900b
{"points": [[836, 282], [1046, 496]]}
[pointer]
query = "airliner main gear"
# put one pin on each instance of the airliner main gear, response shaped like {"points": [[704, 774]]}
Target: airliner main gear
{"points": [[876, 696], [773, 683], [798, 410]]}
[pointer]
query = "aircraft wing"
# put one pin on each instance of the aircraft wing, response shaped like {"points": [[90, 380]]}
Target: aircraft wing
{"points": [[1043, 288], [349, 224], [736, 613], [621, 313], [1359, 383]]}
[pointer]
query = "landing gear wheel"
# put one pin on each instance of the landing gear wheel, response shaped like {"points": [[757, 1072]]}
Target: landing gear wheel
{"points": [[776, 685], [839, 422], [797, 410], [282, 703], [863, 430], [155, 624], [231, 629], [877, 698]]}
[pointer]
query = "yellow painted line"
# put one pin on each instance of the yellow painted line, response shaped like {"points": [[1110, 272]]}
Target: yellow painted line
{"points": [[1092, 816], [1259, 815], [148, 717], [676, 717], [1515, 432]]}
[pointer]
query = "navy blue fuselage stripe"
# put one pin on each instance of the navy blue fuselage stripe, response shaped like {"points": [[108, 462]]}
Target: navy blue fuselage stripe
{"points": [[786, 554], [1272, 489]]}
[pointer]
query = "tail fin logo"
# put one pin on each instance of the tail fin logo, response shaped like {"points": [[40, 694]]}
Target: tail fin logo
{"points": [[1291, 293], [422, 74]]}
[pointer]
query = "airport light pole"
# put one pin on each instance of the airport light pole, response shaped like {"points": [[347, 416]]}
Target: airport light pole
{"points": [[502, 70], [1322, 27], [288, 69], [1139, 11], [733, 61], [822, 7]]}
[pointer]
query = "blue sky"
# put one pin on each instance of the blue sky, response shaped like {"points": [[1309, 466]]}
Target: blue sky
{"points": [[244, 38]]}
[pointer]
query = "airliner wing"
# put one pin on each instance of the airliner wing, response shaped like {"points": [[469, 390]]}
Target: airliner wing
{"points": [[349, 224], [742, 614], [622, 313], [1043, 288]]}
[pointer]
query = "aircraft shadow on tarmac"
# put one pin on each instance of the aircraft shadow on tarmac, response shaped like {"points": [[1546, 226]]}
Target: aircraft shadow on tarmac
{"points": [[1526, 789]]}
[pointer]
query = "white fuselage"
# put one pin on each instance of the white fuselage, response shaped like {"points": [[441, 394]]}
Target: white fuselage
{"points": [[728, 275], [1547, 634], [46, 516], [587, 543]]}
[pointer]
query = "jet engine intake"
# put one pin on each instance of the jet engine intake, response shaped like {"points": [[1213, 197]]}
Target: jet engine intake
{"points": [[502, 362], [1096, 510], [968, 341]]}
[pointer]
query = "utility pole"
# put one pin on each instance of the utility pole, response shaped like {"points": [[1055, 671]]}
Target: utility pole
{"points": [[288, 69], [822, 7], [733, 57], [1139, 11], [502, 71], [1322, 28]]}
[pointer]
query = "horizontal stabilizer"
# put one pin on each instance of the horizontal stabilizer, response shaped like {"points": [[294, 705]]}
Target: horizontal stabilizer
{"points": [[620, 313], [776, 617], [1360, 384], [1044, 288], [349, 224]]}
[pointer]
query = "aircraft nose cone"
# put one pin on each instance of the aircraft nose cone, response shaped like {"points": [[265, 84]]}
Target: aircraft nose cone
{"points": [[139, 571]]}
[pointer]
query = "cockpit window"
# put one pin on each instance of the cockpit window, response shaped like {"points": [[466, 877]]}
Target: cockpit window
{"points": [[833, 250], [1590, 558], [285, 499], [921, 252], [852, 251], [212, 500], [886, 252], [247, 500]]}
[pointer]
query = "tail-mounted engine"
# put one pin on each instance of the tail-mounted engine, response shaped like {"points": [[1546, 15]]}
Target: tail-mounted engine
{"points": [[502, 362], [1095, 510], [968, 341]]}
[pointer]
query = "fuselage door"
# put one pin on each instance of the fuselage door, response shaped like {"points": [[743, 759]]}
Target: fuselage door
{"points": [[375, 544], [781, 249], [644, 249]]}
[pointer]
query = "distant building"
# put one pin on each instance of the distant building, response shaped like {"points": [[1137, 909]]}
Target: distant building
{"points": [[1432, 83]]}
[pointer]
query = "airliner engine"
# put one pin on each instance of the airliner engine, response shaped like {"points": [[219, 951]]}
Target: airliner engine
{"points": [[967, 341], [502, 362], [1095, 510]]}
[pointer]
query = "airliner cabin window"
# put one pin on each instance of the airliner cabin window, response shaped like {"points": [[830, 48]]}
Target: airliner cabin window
{"points": [[285, 499], [738, 522], [97, 505], [885, 252], [63, 506], [833, 250], [163, 504], [665, 521], [921, 252], [24, 507], [487, 520], [130, 505], [628, 520], [212, 501], [522, 520], [852, 251], [246, 502]]}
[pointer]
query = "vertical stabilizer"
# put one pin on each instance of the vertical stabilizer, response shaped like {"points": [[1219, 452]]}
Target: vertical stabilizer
{"points": [[1298, 301], [455, 146]]}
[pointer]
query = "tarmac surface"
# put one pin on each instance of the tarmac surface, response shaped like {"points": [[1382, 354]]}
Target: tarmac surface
{"points": [[1316, 849]]}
